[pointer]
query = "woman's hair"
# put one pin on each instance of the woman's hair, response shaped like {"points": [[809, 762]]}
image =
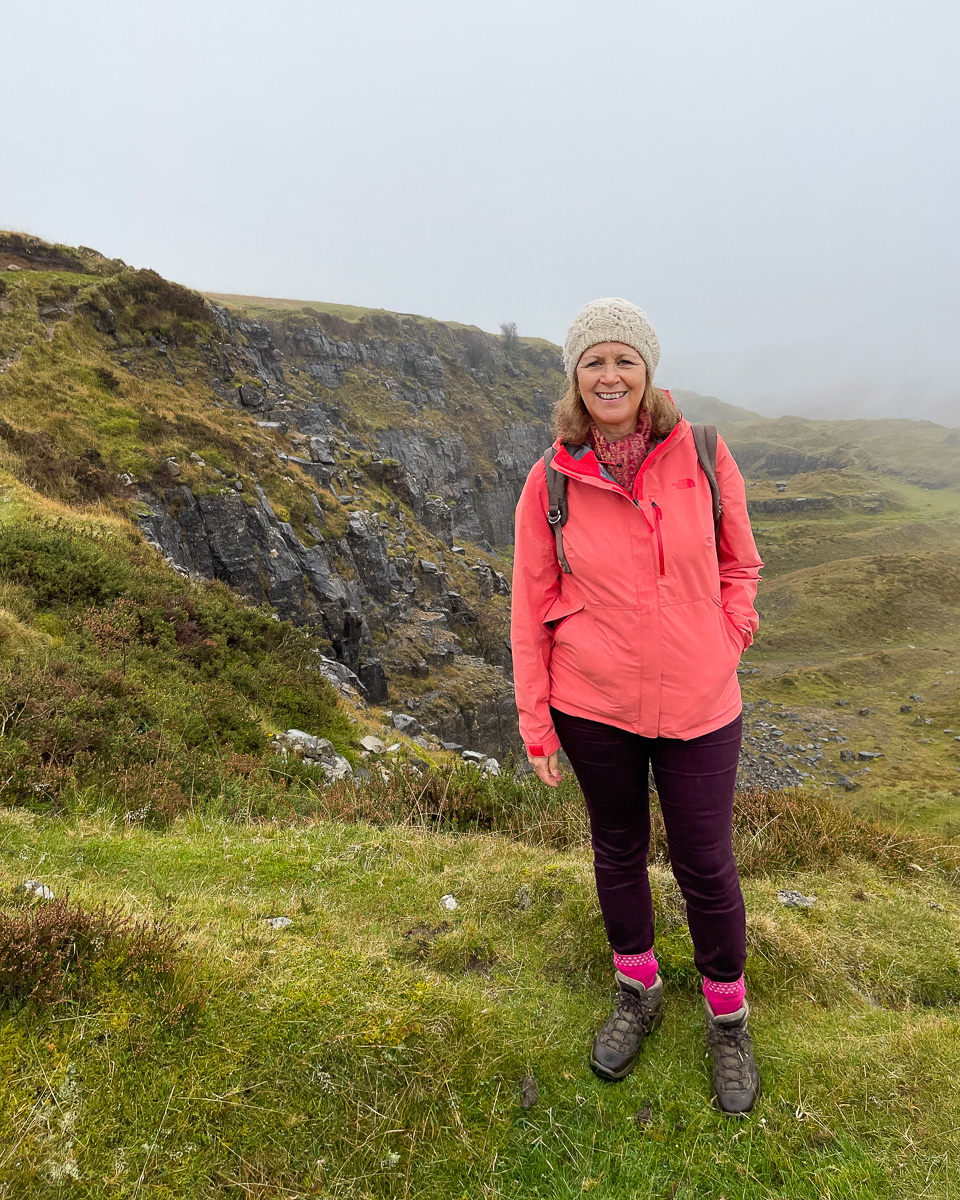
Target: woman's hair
{"points": [[571, 421]]}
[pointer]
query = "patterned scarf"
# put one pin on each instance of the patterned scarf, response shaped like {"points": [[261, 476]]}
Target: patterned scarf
{"points": [[623, 457]]}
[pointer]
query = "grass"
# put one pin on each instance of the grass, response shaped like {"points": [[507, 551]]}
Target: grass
{"points": [[260, 307], [376, 1046]]}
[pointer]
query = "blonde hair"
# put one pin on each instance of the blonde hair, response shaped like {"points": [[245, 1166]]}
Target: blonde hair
{"points": [[571, 420]]}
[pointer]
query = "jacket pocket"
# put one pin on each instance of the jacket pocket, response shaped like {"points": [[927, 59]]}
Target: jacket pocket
{"points": [[731, 624], [560, 610]]}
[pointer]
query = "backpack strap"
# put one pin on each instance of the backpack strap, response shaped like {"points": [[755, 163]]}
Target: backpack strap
{"points": [[557, 511], [705, 439]]}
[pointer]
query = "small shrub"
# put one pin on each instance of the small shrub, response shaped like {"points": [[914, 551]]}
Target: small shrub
{"points": [[58, 951], [59, 567]]}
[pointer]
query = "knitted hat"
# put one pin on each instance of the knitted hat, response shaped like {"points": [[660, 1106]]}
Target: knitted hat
{"points": [[611, 320]]}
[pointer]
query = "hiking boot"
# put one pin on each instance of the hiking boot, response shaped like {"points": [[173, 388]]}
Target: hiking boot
{"points": [[736, 1082], [637, 1013]]}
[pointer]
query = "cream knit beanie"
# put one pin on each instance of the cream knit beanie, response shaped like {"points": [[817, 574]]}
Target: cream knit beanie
{"points": [[611, 320]]}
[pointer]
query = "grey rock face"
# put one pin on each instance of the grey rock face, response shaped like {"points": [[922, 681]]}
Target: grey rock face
{"points": [[369, 552], [464, 505], [763, 457], [785, 504], [245, 546], [357, 587]]}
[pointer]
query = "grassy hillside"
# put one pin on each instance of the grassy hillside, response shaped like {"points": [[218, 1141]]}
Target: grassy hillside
{"points": [[379, 1044], [861, 613], [116, 383], [919, 452], [128, 689]]}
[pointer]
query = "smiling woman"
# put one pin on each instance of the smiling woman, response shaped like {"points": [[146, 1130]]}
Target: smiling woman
{"points": [[627, 659]]}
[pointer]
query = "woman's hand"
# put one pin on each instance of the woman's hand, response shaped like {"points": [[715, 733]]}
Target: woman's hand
{"points": [[547, 769]]}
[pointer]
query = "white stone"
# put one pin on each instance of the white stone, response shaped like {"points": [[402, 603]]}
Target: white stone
{"points": [[337, 768], [278, 922], [373, 744], [38, 889], [448, 902], [305, 743]]}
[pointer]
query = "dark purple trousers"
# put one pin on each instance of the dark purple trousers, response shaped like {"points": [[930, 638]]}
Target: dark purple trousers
{"points": [[695, 782]]}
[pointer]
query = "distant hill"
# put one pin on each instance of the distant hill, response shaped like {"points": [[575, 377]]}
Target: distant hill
{"points": [[919, 452]]}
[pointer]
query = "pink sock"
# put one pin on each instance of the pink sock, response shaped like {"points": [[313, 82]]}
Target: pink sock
{"points": [[724, 997], [641, 967]]}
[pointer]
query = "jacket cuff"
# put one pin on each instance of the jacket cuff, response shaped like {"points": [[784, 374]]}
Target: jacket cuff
{"points": [[543, 749]]}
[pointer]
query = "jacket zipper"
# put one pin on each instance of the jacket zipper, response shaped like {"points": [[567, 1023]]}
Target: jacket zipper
{"points": [[659, 517]]}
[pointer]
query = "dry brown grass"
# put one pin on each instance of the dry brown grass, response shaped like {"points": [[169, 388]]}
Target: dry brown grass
{"points": [[773, 830]]}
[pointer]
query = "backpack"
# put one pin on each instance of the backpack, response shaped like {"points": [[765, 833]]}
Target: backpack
{"points": [[704, 438]]}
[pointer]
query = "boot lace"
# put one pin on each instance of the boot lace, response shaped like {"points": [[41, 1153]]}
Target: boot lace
{"points": [[733, 1056], [631, 1020]]}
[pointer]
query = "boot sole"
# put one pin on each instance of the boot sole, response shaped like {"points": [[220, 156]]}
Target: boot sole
{"points": [[612, 1076], [615, 1076]]}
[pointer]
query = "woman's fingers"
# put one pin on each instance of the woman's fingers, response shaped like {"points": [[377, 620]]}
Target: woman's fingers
{"points": [[547, 769]]}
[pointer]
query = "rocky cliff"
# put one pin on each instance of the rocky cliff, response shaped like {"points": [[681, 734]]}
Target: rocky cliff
{"points": [[358, 476]]}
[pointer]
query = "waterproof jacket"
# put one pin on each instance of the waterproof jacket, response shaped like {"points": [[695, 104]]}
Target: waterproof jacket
{"points": [[647, 631]]}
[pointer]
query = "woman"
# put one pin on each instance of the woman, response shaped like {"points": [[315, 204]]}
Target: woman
{"points": [[629, 662]]}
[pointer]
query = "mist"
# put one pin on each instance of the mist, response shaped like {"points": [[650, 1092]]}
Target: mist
{"points": [[776, 185]]}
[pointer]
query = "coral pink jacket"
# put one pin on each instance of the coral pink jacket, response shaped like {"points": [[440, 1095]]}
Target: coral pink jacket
{"points": [[647, 631]]}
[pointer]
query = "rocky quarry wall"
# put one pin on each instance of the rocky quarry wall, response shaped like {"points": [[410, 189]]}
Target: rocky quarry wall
{"points": [[390, 615]]}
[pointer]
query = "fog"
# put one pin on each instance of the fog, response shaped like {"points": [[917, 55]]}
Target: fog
{"points": [[776, 185]]}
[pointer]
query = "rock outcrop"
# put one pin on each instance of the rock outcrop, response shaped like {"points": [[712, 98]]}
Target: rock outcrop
{"points": [[390, 615]]}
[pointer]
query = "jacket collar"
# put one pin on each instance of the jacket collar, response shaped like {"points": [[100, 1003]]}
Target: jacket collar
{"points": [[580, 461]]}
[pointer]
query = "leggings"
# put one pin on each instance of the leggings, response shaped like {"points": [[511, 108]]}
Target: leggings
{"points": [[695, 781]]}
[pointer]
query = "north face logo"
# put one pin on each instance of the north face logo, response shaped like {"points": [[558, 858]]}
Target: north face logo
{"points": [[685, 483]]}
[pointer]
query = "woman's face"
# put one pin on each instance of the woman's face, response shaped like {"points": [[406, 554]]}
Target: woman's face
{"points": [[611, 377]]}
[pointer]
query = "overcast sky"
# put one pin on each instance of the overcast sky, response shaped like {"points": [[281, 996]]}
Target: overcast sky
{"points": [[776, 184]]}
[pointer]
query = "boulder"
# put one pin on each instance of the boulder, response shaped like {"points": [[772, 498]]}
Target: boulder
{"points": [[252, 397], [406, 724], [304, 744], [336, 767]]}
